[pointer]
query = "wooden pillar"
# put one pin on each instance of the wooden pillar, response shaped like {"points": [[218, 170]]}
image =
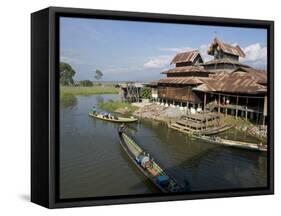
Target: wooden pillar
{"points": [[246, 114], [258, 113], [264, 110], [236, 111], [219, 104], [263, 120], [204, 101]]}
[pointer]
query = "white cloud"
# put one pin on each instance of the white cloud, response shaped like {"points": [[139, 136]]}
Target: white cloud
{"points": [[177, 49], [70, 56], [202, 49], [158, 62], [163, 61], [118, 70], [256, 54]]}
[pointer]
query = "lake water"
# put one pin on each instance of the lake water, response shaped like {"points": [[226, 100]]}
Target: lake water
{"points": [[93, 164]]}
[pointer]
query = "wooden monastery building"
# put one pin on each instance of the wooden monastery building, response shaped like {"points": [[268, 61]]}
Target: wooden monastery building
{"points": [[222, 84]]}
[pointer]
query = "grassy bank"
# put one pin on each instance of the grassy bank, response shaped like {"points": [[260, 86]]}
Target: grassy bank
{"points": [[78, 90], [246, 126], [67, 99], [237, 122], [67, 93], [116, 106]]}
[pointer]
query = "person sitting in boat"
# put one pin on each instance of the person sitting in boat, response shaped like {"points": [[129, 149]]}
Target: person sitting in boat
{"points": [[105, 115], [122, 128], [94, 110]]}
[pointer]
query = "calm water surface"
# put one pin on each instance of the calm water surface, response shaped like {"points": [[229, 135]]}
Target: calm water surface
{"points": [[93, 164]]}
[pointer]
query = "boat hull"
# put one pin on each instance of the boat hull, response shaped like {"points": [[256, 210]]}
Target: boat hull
{"points": [[132, 156], [233, 143], [119, 120], [202, 132], [137, 165]]}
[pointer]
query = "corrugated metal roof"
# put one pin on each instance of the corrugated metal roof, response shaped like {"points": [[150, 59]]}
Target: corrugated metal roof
{"points": [[227, 48], [241, 80], [225, 61], [185, 57], [258, 75], [181, 80], [186, 69]]}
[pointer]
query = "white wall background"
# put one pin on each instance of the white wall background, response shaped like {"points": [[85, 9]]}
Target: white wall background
{"points": [[15, 107]]}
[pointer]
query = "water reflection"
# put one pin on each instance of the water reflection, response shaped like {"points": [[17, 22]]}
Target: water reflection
{"points": [[94, 164], [68, 100]]}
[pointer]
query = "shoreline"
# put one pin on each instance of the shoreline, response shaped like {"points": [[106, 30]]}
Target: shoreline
{"points": [[167, 114], [68, 93], [80, 90]]}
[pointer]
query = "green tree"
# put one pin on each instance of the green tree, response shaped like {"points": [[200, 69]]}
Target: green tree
{"points": [[86, 83], [66, 74], [146, 93], [98, 74]]}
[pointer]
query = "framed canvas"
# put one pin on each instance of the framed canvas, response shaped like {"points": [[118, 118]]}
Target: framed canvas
{"points": [[138, 107]]}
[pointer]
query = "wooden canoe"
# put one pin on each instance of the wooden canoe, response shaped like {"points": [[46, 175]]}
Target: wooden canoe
{"points": [[208, 131], [117, 119], [153, 171], [233, 143]]}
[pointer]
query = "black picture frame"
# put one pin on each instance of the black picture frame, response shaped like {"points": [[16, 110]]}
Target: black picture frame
{"points": [[45, 105]]}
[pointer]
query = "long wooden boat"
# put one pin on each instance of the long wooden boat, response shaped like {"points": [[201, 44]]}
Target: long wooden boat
{"points": [[148, 166], [233, 143], [113, 118], [208, 131], [215, 130]]}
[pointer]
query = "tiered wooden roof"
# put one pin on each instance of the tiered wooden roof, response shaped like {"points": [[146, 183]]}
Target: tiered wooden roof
{"points": [[181, 80], [226, 48], [186, 57], [226, 61], [186, 69], [241, 80]]}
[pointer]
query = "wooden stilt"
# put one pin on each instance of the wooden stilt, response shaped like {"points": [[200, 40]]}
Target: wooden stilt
{"points": [[258, 114], [204, 101], [246, 112], [236, 111], [219, 103], [264, 109]]}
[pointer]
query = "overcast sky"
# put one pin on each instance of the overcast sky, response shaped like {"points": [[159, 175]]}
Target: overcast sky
{"points": [[139, 51]]}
